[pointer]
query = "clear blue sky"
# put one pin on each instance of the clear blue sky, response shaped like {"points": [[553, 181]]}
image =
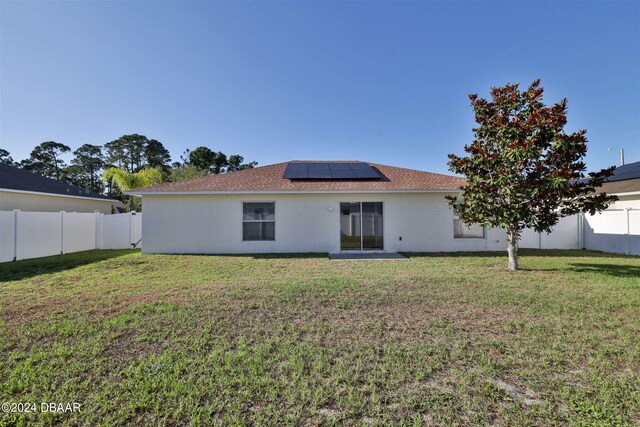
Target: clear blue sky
{"points": [[384, 82]]}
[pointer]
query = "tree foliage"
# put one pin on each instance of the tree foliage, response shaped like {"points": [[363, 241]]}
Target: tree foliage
{"points": [[88, 162], [156, 155], [207, 159], [522, 169], [124, 180], [5, 157], [46, 159], [215, 162], [186, 172], [127, 152], [235, 163], [130, 153]]}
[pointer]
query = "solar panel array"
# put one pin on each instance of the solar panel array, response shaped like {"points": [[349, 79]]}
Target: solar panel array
{"points": [[622, 173], [301, 170], [628, 171]]}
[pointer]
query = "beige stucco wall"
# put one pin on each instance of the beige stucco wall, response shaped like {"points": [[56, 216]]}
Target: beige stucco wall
{"points": [[43, 203], [630, 201], [304, 223]]}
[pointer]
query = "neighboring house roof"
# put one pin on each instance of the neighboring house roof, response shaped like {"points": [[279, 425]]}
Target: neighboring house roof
{"points": [[20, 180], [626, 186], [270, 179], [625, 179], [628, 171]]}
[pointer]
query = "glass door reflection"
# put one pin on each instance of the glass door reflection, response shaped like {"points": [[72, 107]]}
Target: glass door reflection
{"points": [[372, 226], [361, 226]]}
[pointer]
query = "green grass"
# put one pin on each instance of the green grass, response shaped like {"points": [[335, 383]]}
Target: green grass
{"points": [[288, 340]]}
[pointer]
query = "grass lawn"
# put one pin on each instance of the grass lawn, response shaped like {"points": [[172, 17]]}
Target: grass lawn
{"points": [[275, 340]]}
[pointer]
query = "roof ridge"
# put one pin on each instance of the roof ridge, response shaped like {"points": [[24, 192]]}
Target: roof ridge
{"points": [[325, 161], [417, 170]]}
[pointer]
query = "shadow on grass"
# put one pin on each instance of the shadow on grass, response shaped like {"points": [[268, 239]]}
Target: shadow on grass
{"points": [[52, 264], [568, 253], [306, 255], [616, 270]]}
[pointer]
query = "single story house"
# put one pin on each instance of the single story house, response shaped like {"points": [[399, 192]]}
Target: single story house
{"points": [[27, 191], [624, 183], [309, 206]]}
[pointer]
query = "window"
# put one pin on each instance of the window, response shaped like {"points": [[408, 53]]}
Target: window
{"points": [[258, 221], [462, 231]]}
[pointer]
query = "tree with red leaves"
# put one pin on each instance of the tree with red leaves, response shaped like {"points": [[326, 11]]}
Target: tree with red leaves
{"points": [[523, 170]]}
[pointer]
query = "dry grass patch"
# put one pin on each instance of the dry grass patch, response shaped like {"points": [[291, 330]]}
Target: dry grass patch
{"points": [[444, 339]]}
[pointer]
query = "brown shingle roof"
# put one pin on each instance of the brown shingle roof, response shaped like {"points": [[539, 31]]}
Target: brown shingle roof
{"points": [[269, 178], [626, 186]]}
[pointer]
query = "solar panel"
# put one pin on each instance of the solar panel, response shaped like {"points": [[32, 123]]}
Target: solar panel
{"points": [[334, 166], [359, 165], [328, 171], [296, 173], [622, 173], [319, 173], [628, 171], [342, 174], [366, 173], [318, 165], [304, 166]]}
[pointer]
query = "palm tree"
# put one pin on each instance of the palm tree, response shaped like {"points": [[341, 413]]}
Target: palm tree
{"points": [[126, 181]]}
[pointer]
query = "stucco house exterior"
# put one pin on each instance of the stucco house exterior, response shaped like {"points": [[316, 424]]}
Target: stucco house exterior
{"points": [[624, 183], [26, 191], [298, 206]]}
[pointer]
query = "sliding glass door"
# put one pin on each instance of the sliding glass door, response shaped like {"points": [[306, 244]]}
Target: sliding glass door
{"points": [[372, 226], [350, 227], [361, 226]]}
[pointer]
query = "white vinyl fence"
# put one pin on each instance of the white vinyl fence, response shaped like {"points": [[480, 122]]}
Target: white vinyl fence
{"points": [[613, 230], [118, 231], [25, 235], [566, 235]]}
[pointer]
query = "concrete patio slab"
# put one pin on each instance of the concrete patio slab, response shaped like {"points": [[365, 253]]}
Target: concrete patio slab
{"points": [[360, 256]]}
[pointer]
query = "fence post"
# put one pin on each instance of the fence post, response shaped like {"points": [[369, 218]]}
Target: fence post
{"points": [[15, 234], [131, 225], [96, 228], [580, 229], [61, 232], [628, 230]]}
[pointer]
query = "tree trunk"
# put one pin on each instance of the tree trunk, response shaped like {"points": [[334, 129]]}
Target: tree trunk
{"points": [[512, 249]]}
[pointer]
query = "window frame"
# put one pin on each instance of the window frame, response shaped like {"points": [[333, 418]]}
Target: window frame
{"points": [[457, 218], [384, 225], [259, 220]]}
